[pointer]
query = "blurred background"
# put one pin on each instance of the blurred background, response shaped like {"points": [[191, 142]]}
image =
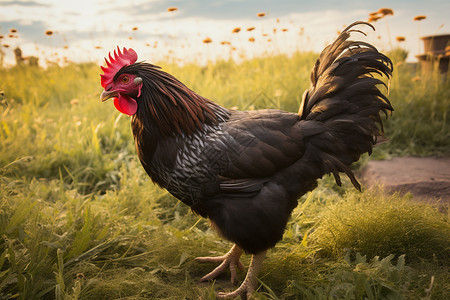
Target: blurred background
{"points": [[80, 219], [201, 30]]}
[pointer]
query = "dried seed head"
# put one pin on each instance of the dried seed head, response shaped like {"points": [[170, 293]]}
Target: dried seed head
{"points": [[261, 15], [419, 18], [207, 40], [400, 39], [386, 11], [172, 9], [250, 28], [48, 32], [236, 30], [373, 18]]}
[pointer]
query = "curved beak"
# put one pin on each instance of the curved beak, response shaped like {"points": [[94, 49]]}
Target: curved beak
{"points": [[108, 94]]}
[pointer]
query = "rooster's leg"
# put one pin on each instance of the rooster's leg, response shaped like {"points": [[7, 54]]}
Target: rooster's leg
{"points": [[229, 260], [249, 285]]}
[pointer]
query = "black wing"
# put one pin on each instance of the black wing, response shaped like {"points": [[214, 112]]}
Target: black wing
{"points": [[253, 147]]}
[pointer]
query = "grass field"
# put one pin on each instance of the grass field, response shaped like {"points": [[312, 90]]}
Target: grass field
{"points": [[79, 218]]}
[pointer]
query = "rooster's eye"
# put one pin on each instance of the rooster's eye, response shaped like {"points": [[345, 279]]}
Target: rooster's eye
{"points": [[125, 79]]}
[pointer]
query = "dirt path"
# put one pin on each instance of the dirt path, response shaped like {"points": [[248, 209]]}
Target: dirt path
{"points": [[424, 177]]}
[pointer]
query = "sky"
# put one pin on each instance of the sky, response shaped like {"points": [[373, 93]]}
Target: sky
{"points": [[86, 30]]}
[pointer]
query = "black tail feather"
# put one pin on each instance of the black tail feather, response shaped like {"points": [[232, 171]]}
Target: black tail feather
{"points": [[341, 110]]}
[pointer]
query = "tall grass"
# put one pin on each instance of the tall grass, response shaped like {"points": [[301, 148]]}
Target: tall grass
{"points": [[420, 124], [79, 219], [375, 225]]}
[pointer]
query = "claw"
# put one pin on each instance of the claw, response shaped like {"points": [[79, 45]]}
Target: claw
{"points": [[248, 287], [244, 290], [229, 260]]}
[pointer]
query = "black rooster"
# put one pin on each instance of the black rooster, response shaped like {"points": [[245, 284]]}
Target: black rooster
{"points": [[245, 170]]}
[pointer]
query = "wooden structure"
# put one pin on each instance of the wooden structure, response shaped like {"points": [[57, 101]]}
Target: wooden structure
{"points": [[437, 53]]}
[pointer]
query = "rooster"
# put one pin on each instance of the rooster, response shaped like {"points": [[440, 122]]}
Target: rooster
{"points": [[246, 170]]}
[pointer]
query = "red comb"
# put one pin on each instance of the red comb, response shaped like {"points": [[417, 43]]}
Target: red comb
{"points": [[121, 59]]}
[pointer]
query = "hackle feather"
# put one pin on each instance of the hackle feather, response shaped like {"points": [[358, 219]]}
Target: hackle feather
{"points": [[171, 105]]}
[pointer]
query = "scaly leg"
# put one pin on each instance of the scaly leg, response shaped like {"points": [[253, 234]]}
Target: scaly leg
{"points": [[230, 260], [248, 286]]}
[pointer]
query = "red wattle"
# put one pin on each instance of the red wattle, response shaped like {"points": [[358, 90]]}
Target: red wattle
{"points": [[126, 105]]}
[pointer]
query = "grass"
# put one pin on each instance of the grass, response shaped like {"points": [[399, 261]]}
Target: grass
{"points": [[398, 227], [79, 218]]}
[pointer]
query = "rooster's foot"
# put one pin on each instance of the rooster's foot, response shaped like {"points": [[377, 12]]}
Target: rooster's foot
{"points": [[246, 290], [249, 285], [229, 260]]}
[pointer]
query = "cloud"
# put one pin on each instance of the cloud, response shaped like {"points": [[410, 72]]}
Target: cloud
{"points": [[28, 30], [24, 3], [225, 10], [86, 24]]}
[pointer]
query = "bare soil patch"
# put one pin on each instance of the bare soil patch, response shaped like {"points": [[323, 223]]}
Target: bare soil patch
{"points": [[426, 178]]}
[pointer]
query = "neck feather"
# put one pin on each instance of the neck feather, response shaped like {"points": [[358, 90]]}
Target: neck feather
{"points": [[171, 106]]}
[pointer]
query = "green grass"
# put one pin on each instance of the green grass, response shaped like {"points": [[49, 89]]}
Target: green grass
{"points": [[420, 124], [373, 224], [79, 218]]}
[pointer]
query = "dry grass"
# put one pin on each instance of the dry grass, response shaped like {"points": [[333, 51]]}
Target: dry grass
{"points": [[79, 219]]}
